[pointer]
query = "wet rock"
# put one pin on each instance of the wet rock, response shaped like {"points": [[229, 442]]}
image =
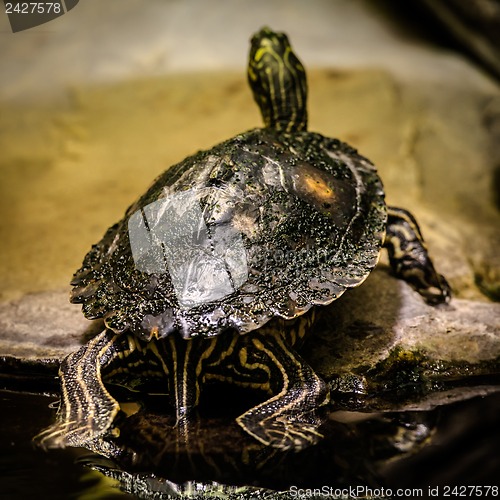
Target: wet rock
{"points": [[380, 346]]}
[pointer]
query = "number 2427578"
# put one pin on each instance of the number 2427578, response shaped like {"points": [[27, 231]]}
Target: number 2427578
{"points": [[33, 8]]}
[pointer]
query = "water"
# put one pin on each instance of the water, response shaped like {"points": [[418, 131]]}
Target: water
{"points": [[28, 472], [464, 451]]}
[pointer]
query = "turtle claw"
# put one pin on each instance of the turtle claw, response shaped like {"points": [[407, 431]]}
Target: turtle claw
{"points": [[56, 436], [74, 434], [283, 432], [438, 291]]}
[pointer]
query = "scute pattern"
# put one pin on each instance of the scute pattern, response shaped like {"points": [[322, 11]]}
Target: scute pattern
{"points": [[311, 215]]}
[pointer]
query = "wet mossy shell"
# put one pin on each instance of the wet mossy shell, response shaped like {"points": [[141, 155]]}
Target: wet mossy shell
{"points": [[306, 215]]}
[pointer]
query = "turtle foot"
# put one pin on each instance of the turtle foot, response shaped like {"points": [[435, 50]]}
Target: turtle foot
{"points": [[284, 432], [288, 420], [409, 258], [437, 291], [87, 410], [61, 435]]}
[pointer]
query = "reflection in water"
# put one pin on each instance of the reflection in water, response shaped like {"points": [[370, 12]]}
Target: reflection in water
{"points": [[27, 472], [152, 458], [465, 449]]}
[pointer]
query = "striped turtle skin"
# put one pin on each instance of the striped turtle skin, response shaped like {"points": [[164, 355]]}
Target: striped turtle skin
{"points": [[215, 273]]}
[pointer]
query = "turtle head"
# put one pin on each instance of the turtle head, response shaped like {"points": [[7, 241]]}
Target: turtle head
{"points": [[278, 81]]}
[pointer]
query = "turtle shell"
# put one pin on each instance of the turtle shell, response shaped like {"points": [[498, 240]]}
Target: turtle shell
{"points": [[263, 225]]}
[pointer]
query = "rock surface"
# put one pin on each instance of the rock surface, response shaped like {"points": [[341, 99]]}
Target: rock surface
{"points": [[380, 346]]}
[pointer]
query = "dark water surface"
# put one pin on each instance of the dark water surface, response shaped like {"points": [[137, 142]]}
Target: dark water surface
{"points": [[27, 472], [464, 451]]}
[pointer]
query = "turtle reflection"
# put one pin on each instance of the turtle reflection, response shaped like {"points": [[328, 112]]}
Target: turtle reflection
{"points": [[217, 458]]}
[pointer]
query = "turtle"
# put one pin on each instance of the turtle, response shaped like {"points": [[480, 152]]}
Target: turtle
{"points": [[217, 271]]}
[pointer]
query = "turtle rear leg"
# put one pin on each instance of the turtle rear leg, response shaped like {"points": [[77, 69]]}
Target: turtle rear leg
{"points": [[409, 258], [86, 409], [287, 420]]}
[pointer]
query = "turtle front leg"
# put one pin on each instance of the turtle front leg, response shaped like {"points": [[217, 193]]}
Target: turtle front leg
{"points": [[288, 419], [409, 258], [86, 409]]}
